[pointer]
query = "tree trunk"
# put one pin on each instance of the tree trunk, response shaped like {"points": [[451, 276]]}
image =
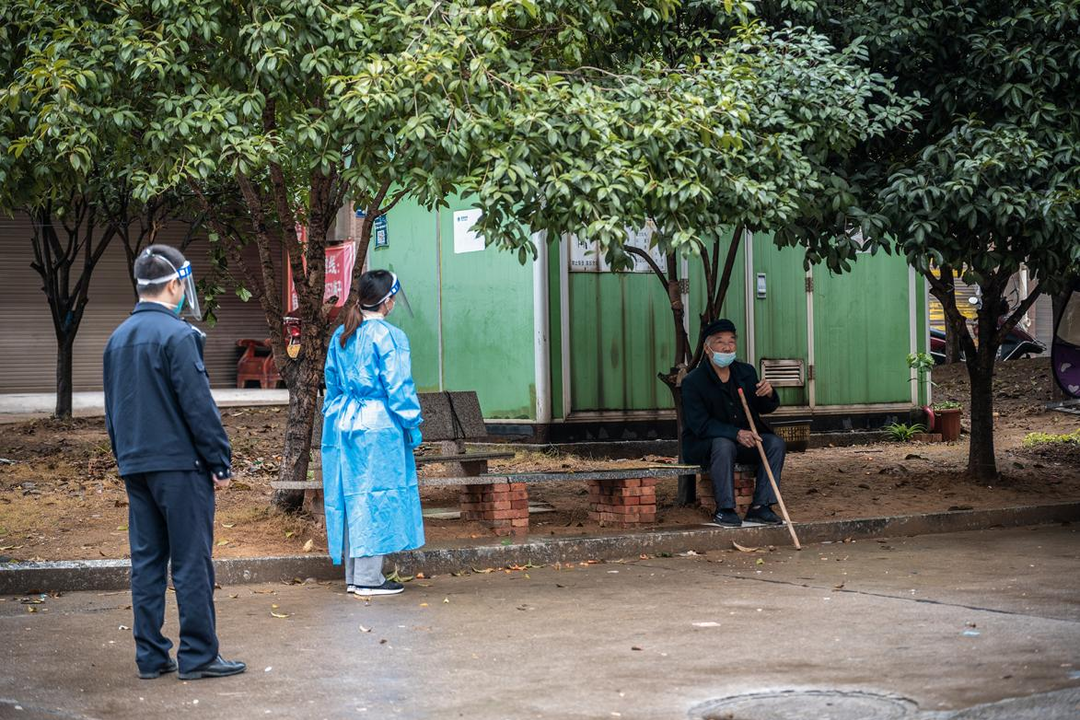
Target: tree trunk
{"points": [[687, 491], [952, 346], [982, 463], [65, 344], [303, 404], [1058, 301]]}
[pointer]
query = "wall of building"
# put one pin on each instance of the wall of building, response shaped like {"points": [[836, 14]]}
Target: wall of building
{"points": [[27, 340], [472, 327]]}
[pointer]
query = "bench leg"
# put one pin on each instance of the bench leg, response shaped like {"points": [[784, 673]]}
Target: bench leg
{"points": [[313, 503], [622, 503], [503, 507], [744, 491]]}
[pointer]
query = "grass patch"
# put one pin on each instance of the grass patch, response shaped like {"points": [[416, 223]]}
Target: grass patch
{"points": [[1040, 439]]}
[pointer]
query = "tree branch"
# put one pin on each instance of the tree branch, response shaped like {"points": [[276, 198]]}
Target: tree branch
{"points": [[729, 266], [1017, 314], [638, 252], [946, 295]]}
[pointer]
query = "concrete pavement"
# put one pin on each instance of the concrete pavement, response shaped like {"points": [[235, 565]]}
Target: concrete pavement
{"points": [[28, 406], [964, 626]]}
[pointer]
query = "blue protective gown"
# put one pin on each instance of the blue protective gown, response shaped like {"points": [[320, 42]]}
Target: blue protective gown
{"points": [[370, 417]]}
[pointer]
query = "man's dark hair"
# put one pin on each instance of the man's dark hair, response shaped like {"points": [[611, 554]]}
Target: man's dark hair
{"points": [[157, 262]]}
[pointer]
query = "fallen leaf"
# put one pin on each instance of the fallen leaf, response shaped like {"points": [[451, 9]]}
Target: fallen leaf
{"points": [[121, 528], [760, 561], [839, 587], [423, 604], [279, 615], [365, 629], [123, 627], [290, 533], [222, 542], [228, 525], [742, 548], [309, 546], [446, 600], [635, 647]]}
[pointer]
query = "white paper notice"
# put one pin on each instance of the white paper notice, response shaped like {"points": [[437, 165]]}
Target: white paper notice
{"points": [[465, 239], [583, 256]]}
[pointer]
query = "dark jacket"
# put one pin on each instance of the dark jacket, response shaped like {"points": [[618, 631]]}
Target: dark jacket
{"points": [[158, 408], [710, 412]]}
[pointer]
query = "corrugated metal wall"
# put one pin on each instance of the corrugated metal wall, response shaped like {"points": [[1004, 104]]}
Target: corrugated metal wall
{"points": [[780, 326], [27, 341], [862, 332], [621, 336]]}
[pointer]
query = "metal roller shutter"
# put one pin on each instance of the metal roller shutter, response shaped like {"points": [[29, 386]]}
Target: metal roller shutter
{"points": [[27, 341]]}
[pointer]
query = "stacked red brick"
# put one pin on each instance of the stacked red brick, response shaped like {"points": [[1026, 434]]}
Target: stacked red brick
{"points": [[622, 503], [744, 490], [503, 507]]}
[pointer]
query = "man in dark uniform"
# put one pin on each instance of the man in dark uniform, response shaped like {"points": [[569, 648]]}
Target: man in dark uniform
{"points": [[173, 453], [716, 432]]}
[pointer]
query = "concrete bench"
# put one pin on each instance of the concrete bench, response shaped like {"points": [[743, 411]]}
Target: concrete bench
{"points": [[617, 498], [451, 419]]}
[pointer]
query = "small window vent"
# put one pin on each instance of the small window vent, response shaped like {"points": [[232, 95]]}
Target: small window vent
{"points": [[784, 373]]}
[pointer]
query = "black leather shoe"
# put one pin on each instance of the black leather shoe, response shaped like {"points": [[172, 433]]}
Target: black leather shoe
{"points": [[218, 668], [727, 517], [165, 669], [763, 515]]}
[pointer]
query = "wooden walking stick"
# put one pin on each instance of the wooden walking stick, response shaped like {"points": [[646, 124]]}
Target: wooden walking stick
{"points": [[768, 471]]}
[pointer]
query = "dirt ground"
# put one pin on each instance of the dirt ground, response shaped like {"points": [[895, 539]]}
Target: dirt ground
{"points": [[60, 496]]}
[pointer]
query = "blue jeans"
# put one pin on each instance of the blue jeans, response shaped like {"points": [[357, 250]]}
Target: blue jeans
{"points": [[726, 453]]}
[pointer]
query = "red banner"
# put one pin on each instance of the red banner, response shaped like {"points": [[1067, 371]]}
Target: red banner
{"points": [[339, 267]]}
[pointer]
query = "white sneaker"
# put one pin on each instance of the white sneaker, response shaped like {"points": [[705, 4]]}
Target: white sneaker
{"points": [[350, 589], [387, 588]]}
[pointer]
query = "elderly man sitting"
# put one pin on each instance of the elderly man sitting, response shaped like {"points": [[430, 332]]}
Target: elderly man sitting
{"points": [[716, 432]]}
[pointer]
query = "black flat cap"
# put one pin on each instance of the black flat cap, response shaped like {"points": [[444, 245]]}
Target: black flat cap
{"points": [[718, 326]]}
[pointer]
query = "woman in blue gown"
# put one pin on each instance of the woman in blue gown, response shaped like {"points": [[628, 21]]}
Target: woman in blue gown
{"points": [[371, 419]]}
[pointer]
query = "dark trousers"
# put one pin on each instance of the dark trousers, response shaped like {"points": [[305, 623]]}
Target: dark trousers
{"points": [[726, 453], [171, 518]]}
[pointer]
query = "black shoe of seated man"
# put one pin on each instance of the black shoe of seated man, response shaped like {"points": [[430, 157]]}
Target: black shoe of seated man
{"points": [[389, 587], [763, 515], [218, 668], [165, 669], [727, 517]]}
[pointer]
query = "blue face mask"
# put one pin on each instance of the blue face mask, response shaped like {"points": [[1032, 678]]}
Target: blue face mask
{"points": [[723, 359], [180, 305]]}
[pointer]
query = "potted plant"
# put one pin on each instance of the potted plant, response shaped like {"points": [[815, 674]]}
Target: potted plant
{"points": [[942, 417], [947, 419]]}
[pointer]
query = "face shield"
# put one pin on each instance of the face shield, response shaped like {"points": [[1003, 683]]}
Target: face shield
{"points": [[396, 292], [189, 303]]}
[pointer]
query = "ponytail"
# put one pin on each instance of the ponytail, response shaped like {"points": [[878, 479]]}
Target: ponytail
{"points": [[353, 320]]}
